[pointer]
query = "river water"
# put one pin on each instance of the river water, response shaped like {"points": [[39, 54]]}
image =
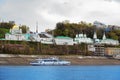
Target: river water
{"points": [[59, 72]]}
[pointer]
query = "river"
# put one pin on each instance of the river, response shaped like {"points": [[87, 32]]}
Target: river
{"points": [[59, 72]]}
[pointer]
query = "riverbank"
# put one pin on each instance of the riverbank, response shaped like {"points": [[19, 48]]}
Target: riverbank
{"points": [[7, 59]]}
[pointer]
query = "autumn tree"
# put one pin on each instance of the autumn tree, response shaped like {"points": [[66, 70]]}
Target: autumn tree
{"points": [[6, 25], [24, 28]]}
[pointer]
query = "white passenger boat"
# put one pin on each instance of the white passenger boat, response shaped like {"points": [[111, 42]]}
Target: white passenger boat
{"points": [[117, 56], [49, 61]]}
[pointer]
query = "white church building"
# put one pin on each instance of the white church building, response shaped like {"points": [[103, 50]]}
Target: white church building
{"points": [[109, 41], [105, 40], [82, 38], [16, 34]]}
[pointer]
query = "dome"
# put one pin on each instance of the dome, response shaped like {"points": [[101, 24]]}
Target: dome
{"points": [[15, 27]]}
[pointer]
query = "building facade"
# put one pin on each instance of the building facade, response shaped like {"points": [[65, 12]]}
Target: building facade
{"points": [[99, 50], [82, 38], [16, 34], [105, 40], [112, 51], [109, 41], [63, 40]]}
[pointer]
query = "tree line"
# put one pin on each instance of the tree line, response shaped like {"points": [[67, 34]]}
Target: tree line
{"points": [[66, 28]]}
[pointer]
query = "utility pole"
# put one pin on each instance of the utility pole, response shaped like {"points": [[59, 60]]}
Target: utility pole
{"points": [[53, 37], [37, 35], [36, 27]]}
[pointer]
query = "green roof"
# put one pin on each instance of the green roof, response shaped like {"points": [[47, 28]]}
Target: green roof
{"points": [[2, 38], [63, 37]]}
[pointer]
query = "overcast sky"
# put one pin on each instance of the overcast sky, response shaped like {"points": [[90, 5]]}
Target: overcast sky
{"points": [[48, 12]]}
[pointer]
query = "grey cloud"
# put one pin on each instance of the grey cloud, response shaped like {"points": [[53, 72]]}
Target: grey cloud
{"points": [[48, 12], [97, 13], [117, 0], [112, 0]]}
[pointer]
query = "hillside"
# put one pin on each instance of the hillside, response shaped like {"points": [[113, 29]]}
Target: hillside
{"points": [[71, 29]]}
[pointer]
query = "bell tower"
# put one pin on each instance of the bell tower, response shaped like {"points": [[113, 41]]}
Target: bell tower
{"points": [[95, 35], [104, 36]]}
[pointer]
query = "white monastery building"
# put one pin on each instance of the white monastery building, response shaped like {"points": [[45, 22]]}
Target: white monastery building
{"points": [[63, 40], [16, 34], [82, 38]]}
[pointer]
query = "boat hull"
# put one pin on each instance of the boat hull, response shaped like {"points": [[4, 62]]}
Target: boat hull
{"points": [[49, 61], [50, 64]]}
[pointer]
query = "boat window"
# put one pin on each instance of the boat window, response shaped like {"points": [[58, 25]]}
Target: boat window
{"points": [[50, 60], [34, 61]]}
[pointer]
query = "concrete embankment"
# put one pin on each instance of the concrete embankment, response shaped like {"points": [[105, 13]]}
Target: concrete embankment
{"points": [[10, 59]]}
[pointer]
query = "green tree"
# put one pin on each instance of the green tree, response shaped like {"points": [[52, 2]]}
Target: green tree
{"points": [[71, 29], [113, 35], [100, 33], [3, 31], [24, 28], [6, 25]]}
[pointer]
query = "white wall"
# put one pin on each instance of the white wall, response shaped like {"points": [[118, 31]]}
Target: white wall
{"points": [[64, 41]]}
